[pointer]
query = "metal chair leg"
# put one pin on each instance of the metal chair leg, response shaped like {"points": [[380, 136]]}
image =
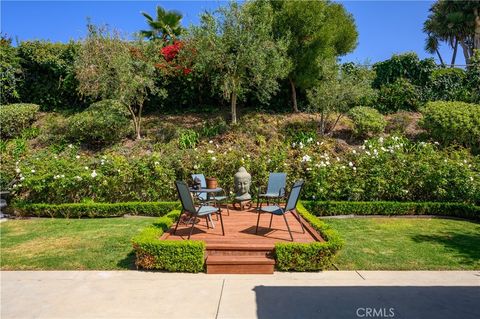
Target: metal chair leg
{"points": [[288, 227], [206, 219], [258, 221], [178, 221], [193, 225], [221, 221], [271, 218]]}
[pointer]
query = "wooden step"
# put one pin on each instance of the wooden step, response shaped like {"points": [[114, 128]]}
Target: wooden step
{"points": [[224, 249], [231, 264]]}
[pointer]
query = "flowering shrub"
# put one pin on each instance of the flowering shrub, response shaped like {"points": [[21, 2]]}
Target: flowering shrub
{"points": [[175, 62], [390, 168]]}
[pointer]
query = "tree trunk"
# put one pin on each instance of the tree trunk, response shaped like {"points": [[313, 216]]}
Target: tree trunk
{"points": [[234, 107], [454, 56], [440, 57], [322, 123], [466, 52], [294, 95], [136, 121]]}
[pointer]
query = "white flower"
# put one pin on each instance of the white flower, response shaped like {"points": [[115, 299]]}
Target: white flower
{"points": [[294, 144], [354, 168], [310, 140], [367, 152], [22, 178], [156, 163], [338, 159], [214, 158], [17, 170], [195, 166], [78, 178], [342, 167], [465, 161], [328, 163], [309, 168], [62, 176], [77, 157], [210, 152], [354, 152], [306, 158], [362, 147], [94, 174], [248, 155], [211, 142], [471, 178], [33, 171], [118, 170], [350, 164], [70, 146], [318, 143], [86, 168], [436, 143], [380, 140]]}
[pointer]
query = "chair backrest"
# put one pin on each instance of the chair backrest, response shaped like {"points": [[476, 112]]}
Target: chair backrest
{"points": [[276, 183], [185, 196], [203, 184], [294, 195]]}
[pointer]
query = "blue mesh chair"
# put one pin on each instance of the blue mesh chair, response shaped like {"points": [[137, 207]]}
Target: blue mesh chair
{"points": [[203, 197], [289, 207], [189, 208], [275, 188]]}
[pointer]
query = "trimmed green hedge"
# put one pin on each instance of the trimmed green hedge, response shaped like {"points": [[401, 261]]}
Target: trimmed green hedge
{"points": [[169, 255], [320, 208], [312, 256], [95, 209]]}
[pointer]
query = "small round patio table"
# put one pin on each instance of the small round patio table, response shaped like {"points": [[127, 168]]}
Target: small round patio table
{"points": [[210, 195]]}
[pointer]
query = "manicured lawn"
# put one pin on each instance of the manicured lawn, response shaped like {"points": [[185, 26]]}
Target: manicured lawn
{"points": [[407, 244], [67, 244]]}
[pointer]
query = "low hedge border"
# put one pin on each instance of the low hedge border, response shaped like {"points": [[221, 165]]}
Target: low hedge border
{"points": [[78, 210], [168, 255], [309, 256], [460, 210]]}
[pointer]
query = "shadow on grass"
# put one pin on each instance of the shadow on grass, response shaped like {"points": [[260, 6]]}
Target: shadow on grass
{"points": [[465, 246], [128, 263]]}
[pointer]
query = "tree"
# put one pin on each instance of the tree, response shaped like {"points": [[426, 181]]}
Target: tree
{"points": [[432, 45], [167, 25], [339, 90], [10, 71], [318, 30], [456, 23], [235, 48], [111, 68]]}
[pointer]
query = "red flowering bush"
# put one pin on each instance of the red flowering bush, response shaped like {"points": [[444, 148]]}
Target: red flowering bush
{"points": [[174, 63]]}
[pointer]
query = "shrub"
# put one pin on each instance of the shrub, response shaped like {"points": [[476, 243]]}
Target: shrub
{"points": [[103, 123], [367, 120], [169, 255], [188, 139], [214, 127], [312, 256], [449, 85], [453, 122], [399, 95], [473, 77], [48, 75], [301, 132], [10, 72], [14, 118], [332, 208], [404, 66], [78, 210]]}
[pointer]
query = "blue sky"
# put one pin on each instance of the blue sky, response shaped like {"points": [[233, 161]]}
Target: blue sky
{"points": [[385, 27]]}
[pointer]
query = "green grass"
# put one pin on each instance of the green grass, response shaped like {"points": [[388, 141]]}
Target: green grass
{"points": [[69, 244], [407, 244]]}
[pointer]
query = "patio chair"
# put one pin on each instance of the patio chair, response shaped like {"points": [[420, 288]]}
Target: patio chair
{"points": [[289, 207], [203, 197], [275, 188], [189, 208]]}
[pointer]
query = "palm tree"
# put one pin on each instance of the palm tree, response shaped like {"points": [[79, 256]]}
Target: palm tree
{"points": [[432, 45], [167, 25]]}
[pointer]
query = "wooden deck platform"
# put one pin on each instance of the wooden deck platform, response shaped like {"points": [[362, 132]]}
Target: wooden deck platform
{"points": [[241, 250]]}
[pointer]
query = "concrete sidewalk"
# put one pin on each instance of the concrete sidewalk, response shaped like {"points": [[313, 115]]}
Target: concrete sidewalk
{"points": [[332, 294]]}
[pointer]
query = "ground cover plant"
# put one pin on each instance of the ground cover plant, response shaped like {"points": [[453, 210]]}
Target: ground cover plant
{"points": [[69, 244], [407, 244]]}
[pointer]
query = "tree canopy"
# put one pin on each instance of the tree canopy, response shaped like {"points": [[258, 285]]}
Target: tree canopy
{"points": [[236, 49], [166, 26], [318, 31]]}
